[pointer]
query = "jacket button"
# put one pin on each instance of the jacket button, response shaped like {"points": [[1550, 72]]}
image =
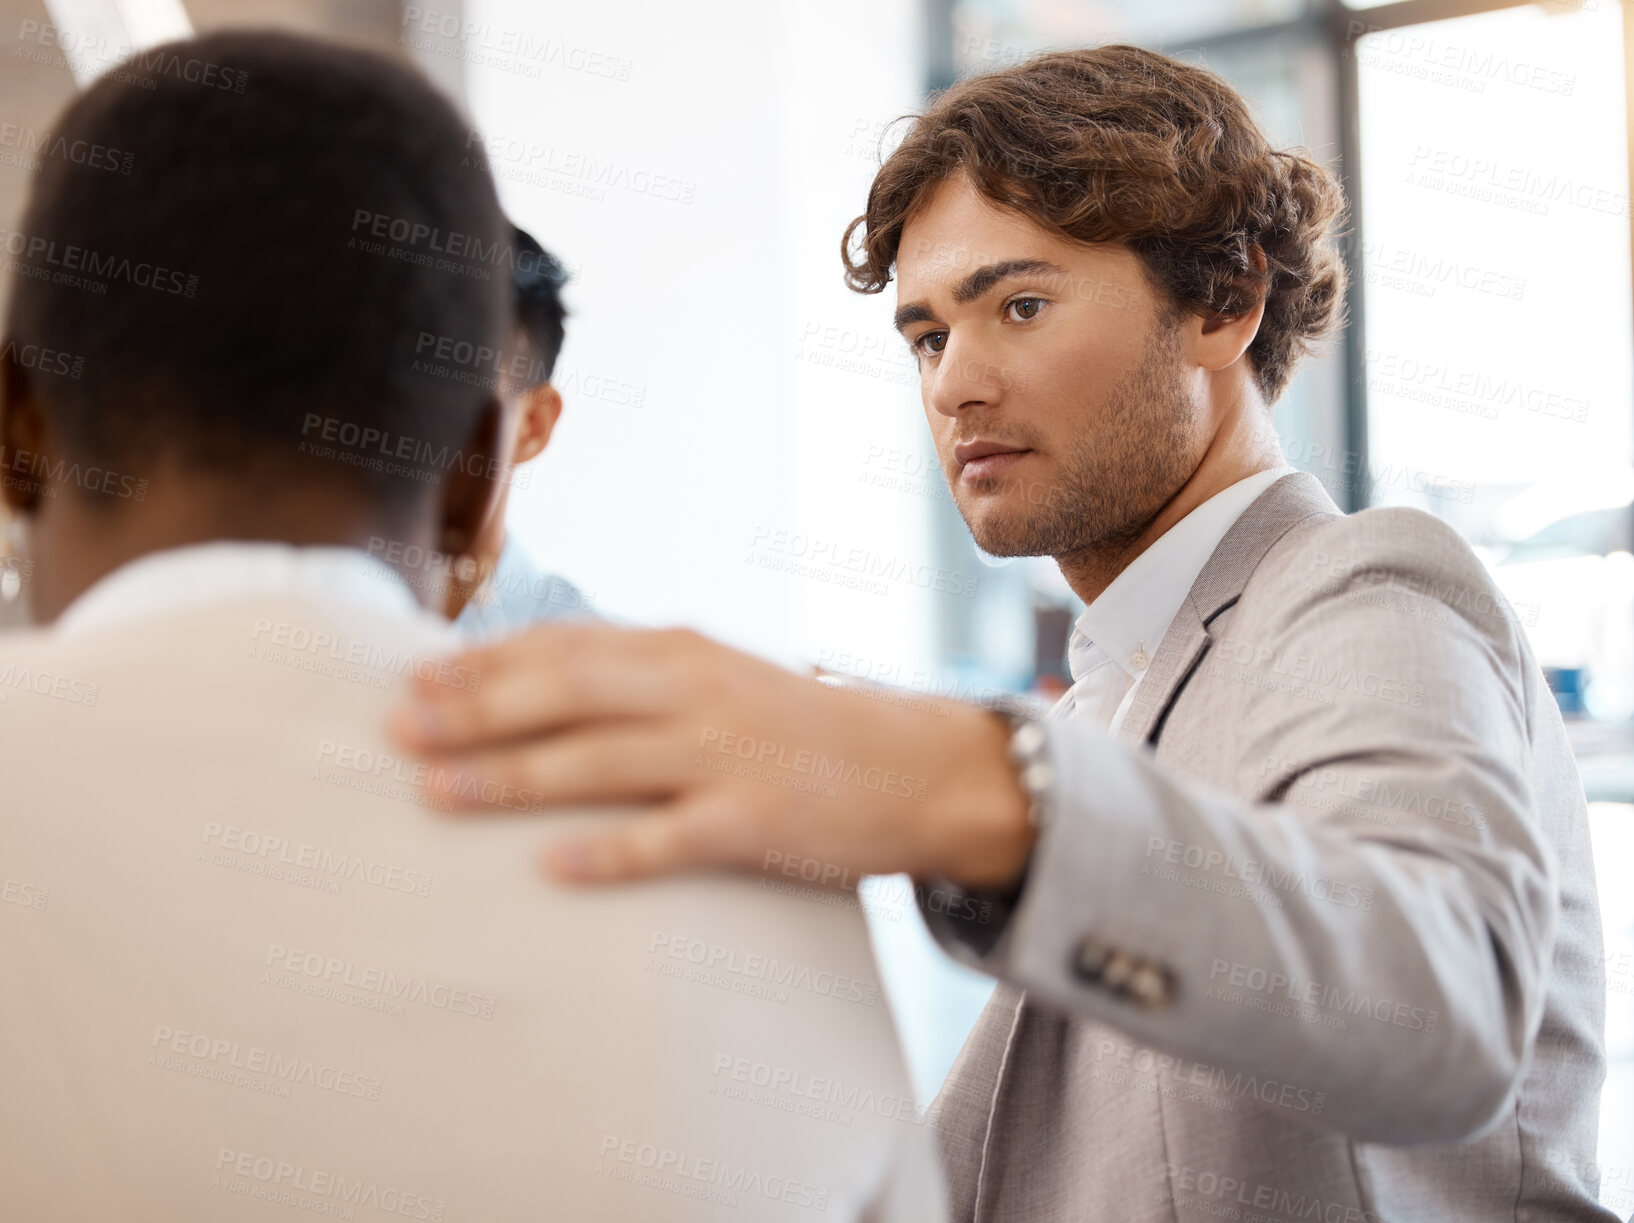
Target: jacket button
{"points": [[1119, 969], [1151, 986], [1089, 961]]}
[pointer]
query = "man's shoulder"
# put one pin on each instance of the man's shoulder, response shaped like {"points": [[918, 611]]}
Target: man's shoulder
{"points": [[224, 657], [1404, 553]]}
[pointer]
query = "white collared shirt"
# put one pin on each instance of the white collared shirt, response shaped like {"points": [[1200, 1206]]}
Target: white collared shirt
{"points": [[173, 578], [1113, 643]]}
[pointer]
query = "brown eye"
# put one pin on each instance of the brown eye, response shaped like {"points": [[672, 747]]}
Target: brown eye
{"points": [[1026, 307], [932, 342]]}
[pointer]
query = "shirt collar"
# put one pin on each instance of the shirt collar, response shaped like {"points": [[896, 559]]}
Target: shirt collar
{"points": [[174, 578], [1129, 618]]}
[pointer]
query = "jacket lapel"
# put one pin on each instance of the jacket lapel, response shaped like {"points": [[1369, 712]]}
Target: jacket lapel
{"points": [[1272, 515]]}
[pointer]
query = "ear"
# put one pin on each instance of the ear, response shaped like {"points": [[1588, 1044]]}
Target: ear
{"points": [[541, 409], [470, 487], [1223, 338], [21, 430]]}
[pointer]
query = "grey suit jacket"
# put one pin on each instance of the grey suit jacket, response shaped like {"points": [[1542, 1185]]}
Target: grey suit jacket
{"points": [[1316, 937]]}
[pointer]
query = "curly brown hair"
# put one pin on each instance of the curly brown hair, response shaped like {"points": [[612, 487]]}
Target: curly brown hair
{"points": [[1120, 144]]}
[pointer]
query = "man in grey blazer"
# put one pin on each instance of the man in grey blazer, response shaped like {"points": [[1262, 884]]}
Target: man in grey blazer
{"points": [[1290, 898]]}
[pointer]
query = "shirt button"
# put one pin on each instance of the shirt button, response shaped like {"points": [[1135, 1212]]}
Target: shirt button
{"points": [[1138, 660]]}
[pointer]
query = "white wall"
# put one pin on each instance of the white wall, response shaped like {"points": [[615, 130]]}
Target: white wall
{"points": [[712, 311]]}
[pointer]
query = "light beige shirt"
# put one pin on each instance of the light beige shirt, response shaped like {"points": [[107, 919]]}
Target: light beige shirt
{"points": [[249, 972]]}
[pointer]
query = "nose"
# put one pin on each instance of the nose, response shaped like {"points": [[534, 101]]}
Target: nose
{"points": [[961, 380]]}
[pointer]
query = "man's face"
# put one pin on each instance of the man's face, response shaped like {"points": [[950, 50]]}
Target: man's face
{"points": [[1054, 377]]}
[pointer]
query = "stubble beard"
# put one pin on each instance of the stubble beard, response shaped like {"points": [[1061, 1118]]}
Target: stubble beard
{"points": [[1113, 480]]}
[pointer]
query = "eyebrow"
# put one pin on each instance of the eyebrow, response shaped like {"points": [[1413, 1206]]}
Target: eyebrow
{"points": [[976, 284]]}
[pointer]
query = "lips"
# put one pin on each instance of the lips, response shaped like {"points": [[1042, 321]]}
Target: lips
{"points": [[981, 461], [969, 452]]}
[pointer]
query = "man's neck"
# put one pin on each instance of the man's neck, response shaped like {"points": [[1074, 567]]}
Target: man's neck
{"points": [[465, 580], [74, 542]]}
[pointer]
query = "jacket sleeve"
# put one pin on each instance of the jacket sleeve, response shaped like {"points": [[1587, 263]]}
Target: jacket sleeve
{"points": [[1376, 919]]}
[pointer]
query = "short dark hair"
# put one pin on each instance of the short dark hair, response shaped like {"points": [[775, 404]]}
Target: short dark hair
{"points": [[541, 317], [1120, 144], [263, 262]]}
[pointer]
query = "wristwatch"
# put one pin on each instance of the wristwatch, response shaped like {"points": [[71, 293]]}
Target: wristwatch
{"points": [[1029, 753], [972, 920]]}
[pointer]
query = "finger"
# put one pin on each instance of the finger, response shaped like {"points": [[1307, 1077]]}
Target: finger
{"points": [[538, 642], [543, 681], [614, 762], [691, 833]]}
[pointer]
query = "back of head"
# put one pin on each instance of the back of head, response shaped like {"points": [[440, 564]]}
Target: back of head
{"points": [[258, 279], [541, 316]]}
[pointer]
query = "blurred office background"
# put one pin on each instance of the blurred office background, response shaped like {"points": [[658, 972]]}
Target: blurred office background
{"points": [[742, 447]]}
